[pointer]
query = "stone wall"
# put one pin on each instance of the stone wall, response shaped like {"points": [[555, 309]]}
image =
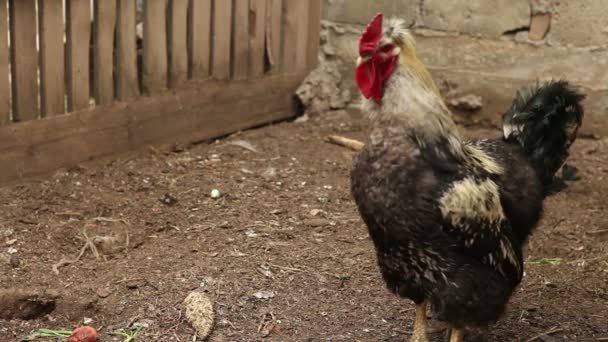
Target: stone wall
{"points": [[489, 48]]}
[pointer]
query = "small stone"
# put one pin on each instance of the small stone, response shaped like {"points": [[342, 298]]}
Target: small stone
{"points": [[143, 323], [215, 194], [199, 312], [302, 119], [264, 294], [316, 212], [103, 292], [168, 199], [87, 321], [469, 102]]}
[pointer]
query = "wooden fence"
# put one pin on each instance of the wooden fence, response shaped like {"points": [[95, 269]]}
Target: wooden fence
{"points": [[73, 87]]}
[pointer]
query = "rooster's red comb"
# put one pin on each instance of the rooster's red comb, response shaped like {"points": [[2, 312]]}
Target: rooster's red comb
{"points": [[371, 36]]}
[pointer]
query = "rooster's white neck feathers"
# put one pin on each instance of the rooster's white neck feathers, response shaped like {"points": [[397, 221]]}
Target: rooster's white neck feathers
{"points": [[408, 105]]}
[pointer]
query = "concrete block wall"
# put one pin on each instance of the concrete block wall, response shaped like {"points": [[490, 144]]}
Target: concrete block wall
{"points": [[490, 48]]}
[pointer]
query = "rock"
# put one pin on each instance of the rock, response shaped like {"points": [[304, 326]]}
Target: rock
{"points": [[26, 304], [321, 91], [539, 26], [168, 199], [469, 102], [103, 292], [302, 119], [215, 194], [199, 312], [264, 295]]}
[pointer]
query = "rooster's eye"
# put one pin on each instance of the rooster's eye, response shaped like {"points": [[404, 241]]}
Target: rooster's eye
{"points": [[387, 48]]}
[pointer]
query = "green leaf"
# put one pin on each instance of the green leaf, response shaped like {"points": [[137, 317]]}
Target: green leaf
{"points": [[547, 261]]}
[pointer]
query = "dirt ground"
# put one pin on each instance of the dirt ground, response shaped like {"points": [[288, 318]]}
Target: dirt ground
{"points": [[282, 253]]}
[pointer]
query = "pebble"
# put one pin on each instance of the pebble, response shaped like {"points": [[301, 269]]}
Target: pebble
{"points": [[103, 292], [215, 194]]}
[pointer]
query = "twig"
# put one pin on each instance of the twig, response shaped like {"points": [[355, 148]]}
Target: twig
{"points": [[87, 245], [548, 332], [352, 144]]}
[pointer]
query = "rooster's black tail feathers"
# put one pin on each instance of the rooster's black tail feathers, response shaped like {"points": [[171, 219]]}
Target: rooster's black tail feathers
{"points": [[544, 120]]}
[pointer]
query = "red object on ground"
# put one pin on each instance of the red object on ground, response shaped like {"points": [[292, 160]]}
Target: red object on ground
{"points": [[83, 334]]}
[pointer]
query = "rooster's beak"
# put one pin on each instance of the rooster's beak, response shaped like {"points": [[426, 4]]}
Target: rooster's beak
{"points": [[362, 60]]}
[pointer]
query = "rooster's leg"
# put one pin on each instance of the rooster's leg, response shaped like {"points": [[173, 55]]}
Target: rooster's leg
{"points": [[457, 335], [420, 325]]}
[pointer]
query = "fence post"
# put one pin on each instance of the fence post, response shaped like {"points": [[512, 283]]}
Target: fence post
{"points": [[178, 42], [257, 37], [222, 35], [78, 41], [127, 83], [200, 38], [52, 52], [314, 32], [105, 25], [24, 59], [155, 46], [5, 92]]}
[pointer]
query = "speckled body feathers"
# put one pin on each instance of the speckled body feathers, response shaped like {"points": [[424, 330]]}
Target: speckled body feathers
{"points": [[449, 218]]}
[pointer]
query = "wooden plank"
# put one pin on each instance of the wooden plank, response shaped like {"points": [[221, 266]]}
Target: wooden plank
{"points": [[290, 40], [155, 46], [105, 26], [24, 57], [200, 111], [178, 43], [200, 38], [5, 92], [78, 40], [52, 64], [222, 35], [257, 23], [127, 84], [314, 33], [240, 41], [274, 36], [302, 35]]}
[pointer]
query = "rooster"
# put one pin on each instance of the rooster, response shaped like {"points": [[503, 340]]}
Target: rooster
{"points": [[448, 217]]}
